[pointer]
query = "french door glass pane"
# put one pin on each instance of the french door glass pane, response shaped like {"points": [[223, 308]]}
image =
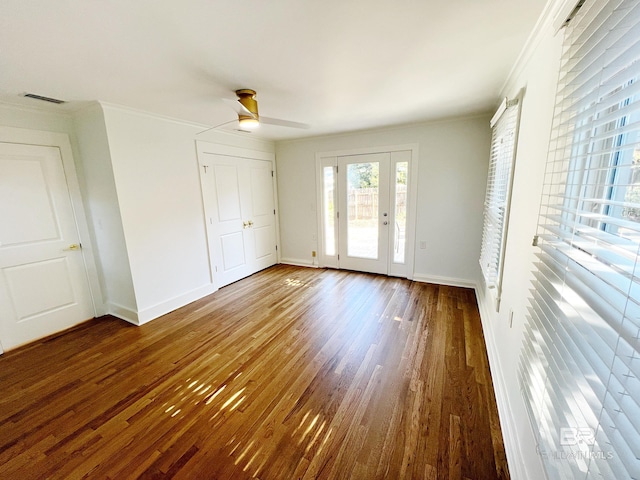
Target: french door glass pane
{"points": [[329, 211], [400, 207], [362, 204]]}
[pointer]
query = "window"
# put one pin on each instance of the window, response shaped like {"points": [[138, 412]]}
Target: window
{"points": [[400, 211], [580, 363], [496, 204], [329, 217]]}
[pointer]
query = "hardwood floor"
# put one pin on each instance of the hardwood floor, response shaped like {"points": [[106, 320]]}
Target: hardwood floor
{"points": [[291, 373]]}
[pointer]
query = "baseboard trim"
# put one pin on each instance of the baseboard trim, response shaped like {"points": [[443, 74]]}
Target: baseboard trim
{"points": [[155, 311], [296, 262], [122, 312], [507, 422], [448, 281]]}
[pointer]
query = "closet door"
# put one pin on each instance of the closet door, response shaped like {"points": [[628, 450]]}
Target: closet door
{"points": [[262, 214], [240, 211]]}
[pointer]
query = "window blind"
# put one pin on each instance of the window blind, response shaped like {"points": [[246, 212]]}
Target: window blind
{"points": [[498, 193], [580, 360]]}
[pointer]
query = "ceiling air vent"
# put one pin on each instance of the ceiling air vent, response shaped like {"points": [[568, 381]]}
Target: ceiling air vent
{"points": [[44, 99]]}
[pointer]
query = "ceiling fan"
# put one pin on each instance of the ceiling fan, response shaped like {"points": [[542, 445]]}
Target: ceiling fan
{"points": [[246, 106]]}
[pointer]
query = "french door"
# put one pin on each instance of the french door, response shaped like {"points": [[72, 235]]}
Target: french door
{"points": [[364, 212]]}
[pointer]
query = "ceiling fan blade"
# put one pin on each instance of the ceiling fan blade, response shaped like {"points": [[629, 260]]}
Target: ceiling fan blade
{"points": [[238, 107], [282, 123], [217, 126]]}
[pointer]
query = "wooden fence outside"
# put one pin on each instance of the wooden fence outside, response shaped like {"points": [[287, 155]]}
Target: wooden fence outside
{"points": [[363, 202]]}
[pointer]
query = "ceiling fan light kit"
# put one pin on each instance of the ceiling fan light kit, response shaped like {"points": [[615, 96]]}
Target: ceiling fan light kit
{"points": [[248, 122], [249, 119], [246, 106]]}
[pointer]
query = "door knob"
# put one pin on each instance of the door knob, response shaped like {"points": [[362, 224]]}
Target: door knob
{"points": [[250, 223], [73, 246], [385, 223]]}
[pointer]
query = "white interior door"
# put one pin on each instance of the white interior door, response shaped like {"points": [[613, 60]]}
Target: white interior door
{"points": [[228, 221], [262, 213], [43, 280], [239, 204]]}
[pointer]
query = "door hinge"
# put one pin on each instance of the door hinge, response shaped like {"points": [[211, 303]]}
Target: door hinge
{"points": [[276, 248], [216, 268], [337, 168], [205, 168], [337, 214], [338, 256], [274, 211], [272, 173], [535, 241]]}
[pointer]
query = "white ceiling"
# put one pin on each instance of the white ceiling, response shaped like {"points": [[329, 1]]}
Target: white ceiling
{"points": [[337, 65]]}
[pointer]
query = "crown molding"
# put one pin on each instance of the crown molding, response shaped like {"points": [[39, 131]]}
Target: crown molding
{"points": [[551, 19]]}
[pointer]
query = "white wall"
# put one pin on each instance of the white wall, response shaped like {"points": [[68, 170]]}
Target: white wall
{"points": [[158, 187], [36, 119], [537, 71], [453, 161], [103, 210], [140, 183]]}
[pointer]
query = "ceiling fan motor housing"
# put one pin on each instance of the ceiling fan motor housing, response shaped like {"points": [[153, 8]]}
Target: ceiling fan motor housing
{"points": [[246, 97]]}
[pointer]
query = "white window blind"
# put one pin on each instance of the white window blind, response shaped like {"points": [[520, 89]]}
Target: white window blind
{"points": [[498, 194], [580, 363]]}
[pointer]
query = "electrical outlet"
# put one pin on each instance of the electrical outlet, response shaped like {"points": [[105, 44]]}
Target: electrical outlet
{"points": [[313, 253]]}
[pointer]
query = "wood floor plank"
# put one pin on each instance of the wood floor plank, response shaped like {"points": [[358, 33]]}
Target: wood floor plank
{"points": [[292, 373]]}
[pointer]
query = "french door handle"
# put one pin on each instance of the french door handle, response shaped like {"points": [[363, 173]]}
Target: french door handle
{"points": [[385, 223]]}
